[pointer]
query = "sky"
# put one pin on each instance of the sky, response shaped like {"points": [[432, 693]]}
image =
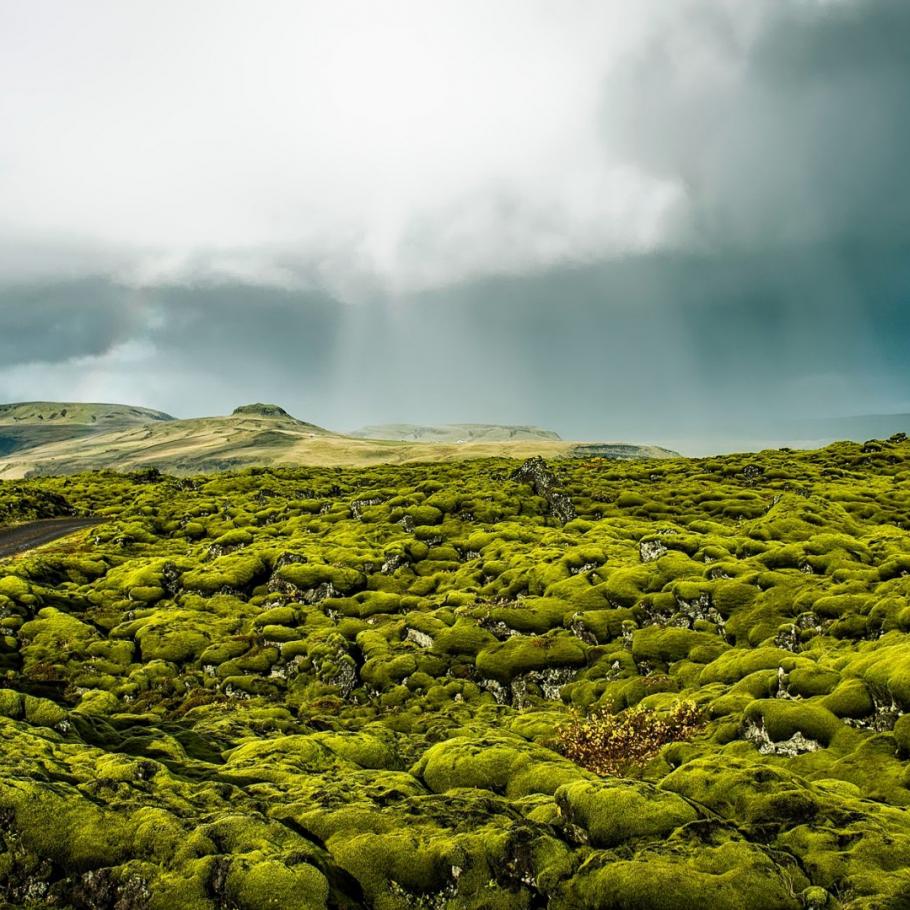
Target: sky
{"points": [[665, 221]]}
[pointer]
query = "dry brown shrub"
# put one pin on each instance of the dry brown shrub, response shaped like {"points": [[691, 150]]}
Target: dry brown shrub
{"points": [[617, 744]]}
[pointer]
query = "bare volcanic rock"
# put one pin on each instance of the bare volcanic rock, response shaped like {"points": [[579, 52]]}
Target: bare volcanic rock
{"points": [[545, 484]]}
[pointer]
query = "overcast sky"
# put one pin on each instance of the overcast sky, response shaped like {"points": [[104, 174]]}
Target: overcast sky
{"points": [[608, 218]]}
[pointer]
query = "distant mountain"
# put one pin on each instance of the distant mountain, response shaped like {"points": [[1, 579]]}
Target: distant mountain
{"points": [[453, 432], [620, 451], [255, 434], [42, 413], [28, 424]]}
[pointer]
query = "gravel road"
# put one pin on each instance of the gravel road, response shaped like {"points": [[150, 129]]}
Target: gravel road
{"points": [[35, 533]]}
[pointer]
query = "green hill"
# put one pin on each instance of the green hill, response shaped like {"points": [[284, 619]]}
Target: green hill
{"points": [[69, 413], [255, 434], [29, 424]]}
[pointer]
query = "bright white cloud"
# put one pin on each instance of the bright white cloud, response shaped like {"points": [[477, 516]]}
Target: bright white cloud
{"points": [[403, 143]]}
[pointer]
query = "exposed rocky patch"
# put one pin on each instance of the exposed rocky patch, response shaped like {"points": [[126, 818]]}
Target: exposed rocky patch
{"points": [[545, 484]]}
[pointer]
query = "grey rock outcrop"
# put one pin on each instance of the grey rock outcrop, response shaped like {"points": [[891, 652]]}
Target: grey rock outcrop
{"points": [[544, 483]]}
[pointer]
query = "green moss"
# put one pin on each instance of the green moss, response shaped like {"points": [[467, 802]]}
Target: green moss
{"points": [[256, 660], [850, 699], [745, 791], [177, 645], [270, 884], [888, 668], [12, 704], [781, 719], [624, 587], [604, 625], [810, 681], [41, 712], [311, 575], [534, 615], [498, 763], [901, 733], [64, 827], [747, 881], [98, 702], [14, 587], [739, 663], [616, 812], [731, 595], [213, 698], [464, 637], [666, 645], [508, 659], [362, 749], [224, 650], [233, 572], [278, 616], [238, 537], [370, 603]]}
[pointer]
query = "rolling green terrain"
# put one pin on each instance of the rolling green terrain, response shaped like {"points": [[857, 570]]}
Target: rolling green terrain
{"points": [[68, 413], [253, 435], [665, 684], [29, 424]]}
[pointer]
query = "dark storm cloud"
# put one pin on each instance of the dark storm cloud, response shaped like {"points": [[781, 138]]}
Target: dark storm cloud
{"points": [[194, 349], [59, 321], [221, 325], [655, 343], [794, 131], [223, 345]]}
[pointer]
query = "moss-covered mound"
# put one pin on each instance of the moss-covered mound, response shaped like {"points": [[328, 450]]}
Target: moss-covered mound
{"points": [[351, 688]]}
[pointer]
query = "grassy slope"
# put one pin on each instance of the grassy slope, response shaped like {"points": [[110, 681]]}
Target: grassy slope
{"points": [[24, 426], [343, 687], [42, 413], [217, 443]]}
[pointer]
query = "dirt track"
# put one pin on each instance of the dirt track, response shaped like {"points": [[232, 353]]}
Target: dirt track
{"points": [[35, 533]]}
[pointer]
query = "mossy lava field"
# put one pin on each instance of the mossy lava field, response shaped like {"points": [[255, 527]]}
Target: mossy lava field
{"points": [[576, 685]]}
